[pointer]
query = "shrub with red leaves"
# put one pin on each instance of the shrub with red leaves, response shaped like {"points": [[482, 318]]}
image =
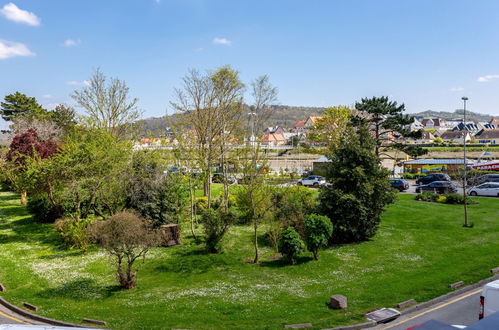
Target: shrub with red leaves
{"points": [[28, 144]]}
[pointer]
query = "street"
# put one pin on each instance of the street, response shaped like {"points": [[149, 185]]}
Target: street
{"points": [[7, 317], [460, 310]]}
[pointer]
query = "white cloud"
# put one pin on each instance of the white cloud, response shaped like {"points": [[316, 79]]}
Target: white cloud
{"points": [[222, 41], [71, 42], [13, 49], [456, 89], [48, 96], [158, 1], [488, 78], [78, 83], [200, 49], [15, 14]]}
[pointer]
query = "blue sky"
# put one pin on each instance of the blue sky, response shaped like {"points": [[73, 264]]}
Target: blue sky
{"points": [[424, 53]]}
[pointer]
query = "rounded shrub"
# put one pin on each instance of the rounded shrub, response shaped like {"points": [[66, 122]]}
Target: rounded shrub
{"points": [[318, 230], [290, 244]]}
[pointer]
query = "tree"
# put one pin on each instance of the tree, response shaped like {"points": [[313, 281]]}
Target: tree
{"points": [[331, 125], [253, 198], [127, 237], [64, 117], [388, 124], [318, 230], [23, 148], [264, 95], [359, 188], [108, 105], [290, 244], [18, 105], [88, 174], [209, 112]]}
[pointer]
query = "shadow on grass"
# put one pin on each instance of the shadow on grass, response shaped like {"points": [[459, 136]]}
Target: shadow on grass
{"points": [[193, 261], [282, 262], [80, 289]]}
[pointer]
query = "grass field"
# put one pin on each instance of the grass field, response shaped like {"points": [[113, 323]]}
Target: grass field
{"points": [[420, 249]]}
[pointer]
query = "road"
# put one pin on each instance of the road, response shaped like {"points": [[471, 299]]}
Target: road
{"points": [[7, 317], [459, 310]]}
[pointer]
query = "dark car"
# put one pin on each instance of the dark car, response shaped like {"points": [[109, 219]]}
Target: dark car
{"points": [[433, 177], [399, 184], [484, 178], [219, 178], [439, 187]]}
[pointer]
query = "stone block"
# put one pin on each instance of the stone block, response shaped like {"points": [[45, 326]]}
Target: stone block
{"points": [[456, 285], [97, 322], [338, 301], [29, 306]]}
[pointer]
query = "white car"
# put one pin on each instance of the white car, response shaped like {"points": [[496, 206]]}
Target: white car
{"points": [[485, 189], [312, 181]]}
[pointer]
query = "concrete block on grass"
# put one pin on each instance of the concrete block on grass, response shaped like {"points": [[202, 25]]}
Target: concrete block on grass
{"points": [[406, 303], [297, 326], [96, 322], [30, 306], [456, 285], [2, 288]]}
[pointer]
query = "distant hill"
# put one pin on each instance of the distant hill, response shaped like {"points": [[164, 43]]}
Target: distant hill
{"points": [[282, 115], [286, 116], [458, 115]]}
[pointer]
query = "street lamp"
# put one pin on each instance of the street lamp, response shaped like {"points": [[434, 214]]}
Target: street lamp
{"points": [[465, 182]]}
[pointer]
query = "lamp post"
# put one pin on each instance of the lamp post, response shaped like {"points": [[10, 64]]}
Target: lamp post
{"points": [[465, 181]]}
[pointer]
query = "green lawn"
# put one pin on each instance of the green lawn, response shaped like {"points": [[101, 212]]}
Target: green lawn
{"points": [[421, 248]]}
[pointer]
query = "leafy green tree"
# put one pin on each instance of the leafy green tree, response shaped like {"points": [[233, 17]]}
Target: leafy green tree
{"points": [[388, 124], [64, 117], [290, 244], [359, 188], [216, 224], [331, 125], [18, 105], [318, 230]]}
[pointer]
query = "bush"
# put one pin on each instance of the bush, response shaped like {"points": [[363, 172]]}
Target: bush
{"points": [[42, 209], [290, 244], [162, 200], [127, 237], [216, 224], [427, 197], [455, 199], [292, 205], [318, 230], [74, 232]]}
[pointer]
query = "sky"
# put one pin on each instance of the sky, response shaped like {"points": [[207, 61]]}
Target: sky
{"points": [[426, 54]]}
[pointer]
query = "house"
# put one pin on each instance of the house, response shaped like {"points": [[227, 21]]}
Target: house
{"points": [[468, 126], [427, 138], [274, 129], [455, 136], [494, 122], [273, 139], [488, 136], [311, 121], [428, 123], [416, 125], [439, 123], [299, 126]]}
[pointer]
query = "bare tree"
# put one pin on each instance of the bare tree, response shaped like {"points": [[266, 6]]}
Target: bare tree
{"points": [[108, 105], [127, 237], [210, 109], [264, 95]]}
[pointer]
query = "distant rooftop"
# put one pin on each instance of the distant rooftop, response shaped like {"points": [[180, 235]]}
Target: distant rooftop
{"points": [[437, 162]]}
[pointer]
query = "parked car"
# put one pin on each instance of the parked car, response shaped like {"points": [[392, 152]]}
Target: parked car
{"points": [[433, 177], [312, 181], [247, 179], [484, 178], [489, 300], [439, 187], [485, 189], [399, 184], [219, 178]]}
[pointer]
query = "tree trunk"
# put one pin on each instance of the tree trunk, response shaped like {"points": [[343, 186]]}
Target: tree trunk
{"points": [[24, 197], [255, 223]]}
